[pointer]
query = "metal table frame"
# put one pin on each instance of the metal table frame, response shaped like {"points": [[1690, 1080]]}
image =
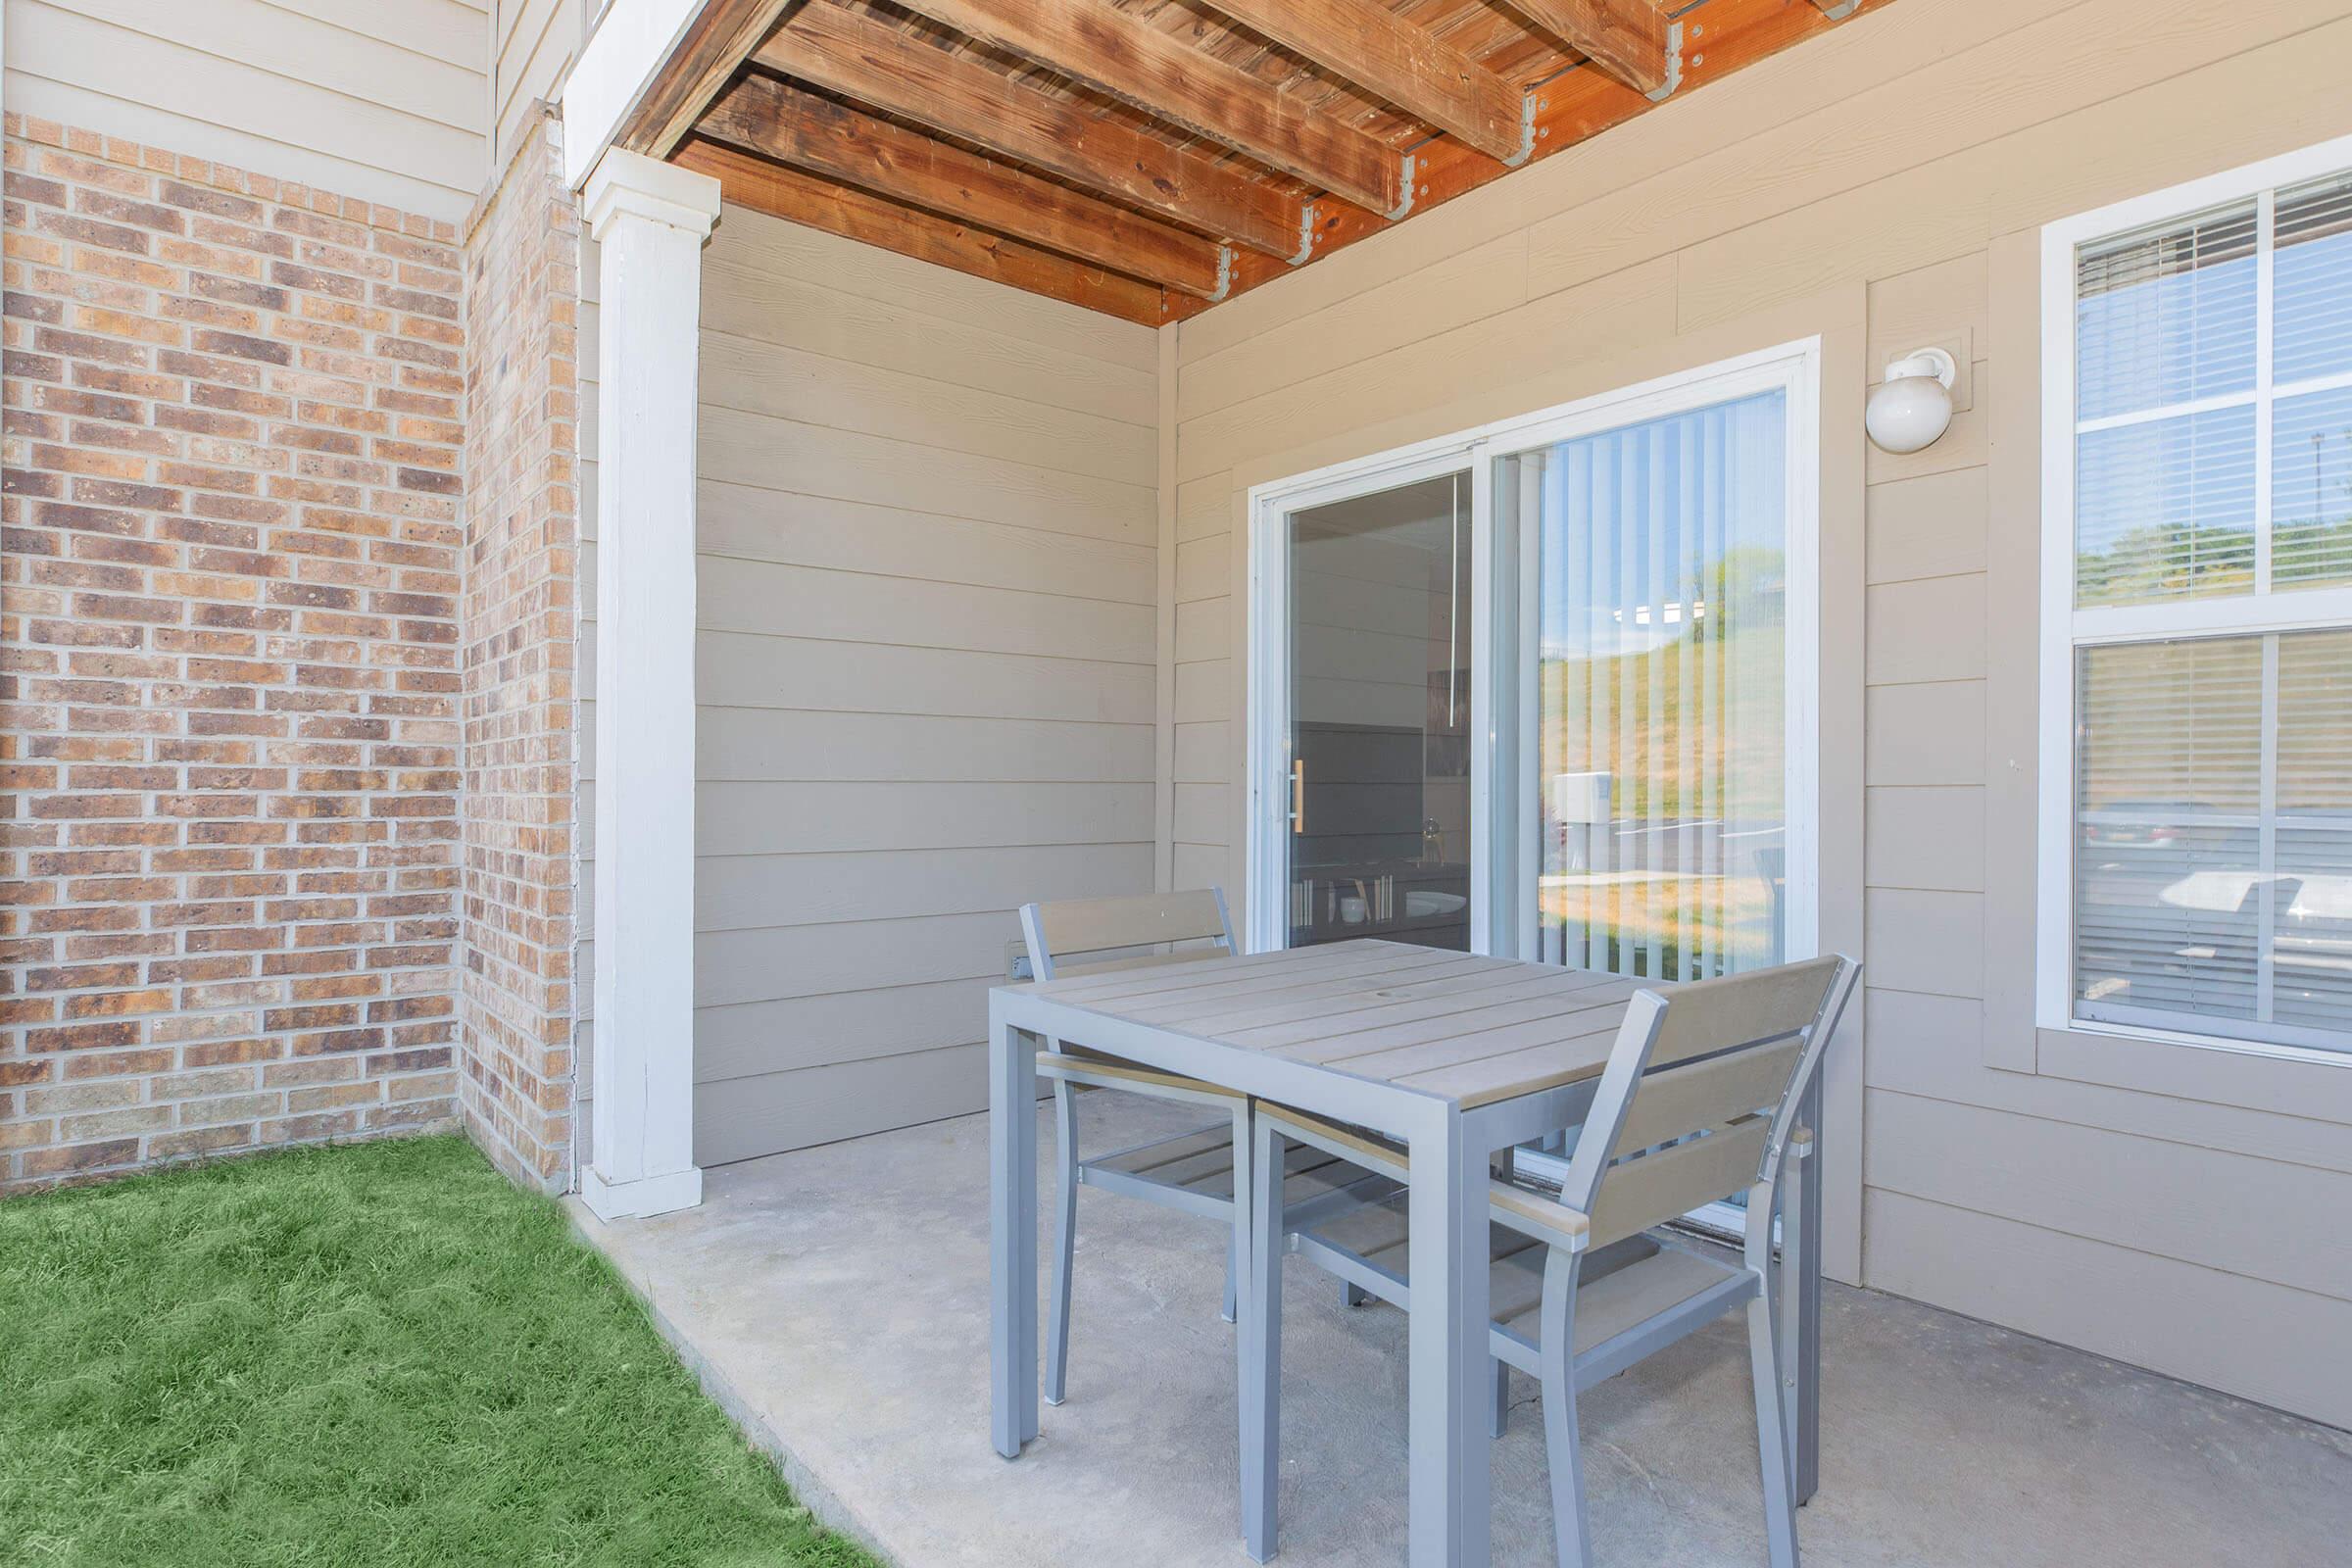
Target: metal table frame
{"points": [[1447, 1376]]}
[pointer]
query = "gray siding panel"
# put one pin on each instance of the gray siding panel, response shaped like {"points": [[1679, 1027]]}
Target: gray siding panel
{"points": [[925, 673]]}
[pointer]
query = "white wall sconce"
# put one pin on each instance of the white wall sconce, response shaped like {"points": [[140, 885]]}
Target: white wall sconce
{"points": [[1913, 406]]}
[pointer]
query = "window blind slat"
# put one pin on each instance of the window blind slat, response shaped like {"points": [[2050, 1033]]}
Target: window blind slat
{"points": [[2166, 315]]}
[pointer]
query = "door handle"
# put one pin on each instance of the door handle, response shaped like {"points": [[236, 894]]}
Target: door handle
{"points": [[1298, 796]]}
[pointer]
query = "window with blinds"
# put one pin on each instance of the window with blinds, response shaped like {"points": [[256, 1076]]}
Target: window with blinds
{"points": [[2204, 650]]}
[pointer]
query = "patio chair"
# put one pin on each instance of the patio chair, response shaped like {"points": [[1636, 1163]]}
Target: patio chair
{"points": [[1191, 1172], [1698, 1103]]}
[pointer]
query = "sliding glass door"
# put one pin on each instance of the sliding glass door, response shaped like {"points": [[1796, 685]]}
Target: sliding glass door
{"points": [[1546, 689]]}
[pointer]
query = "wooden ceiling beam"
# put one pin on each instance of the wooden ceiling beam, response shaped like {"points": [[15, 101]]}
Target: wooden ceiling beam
{"points": [[704, 58], [1409, 65], [791, 125], [1166, 77], [1570, 108], [870, 219], [855, 54], [1630, 40]]}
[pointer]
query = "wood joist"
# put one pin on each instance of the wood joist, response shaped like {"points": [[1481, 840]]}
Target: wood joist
{"points": [[1148, 160]]}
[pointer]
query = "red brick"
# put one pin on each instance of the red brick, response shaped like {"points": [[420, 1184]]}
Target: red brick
{"points": [[199, 360]]}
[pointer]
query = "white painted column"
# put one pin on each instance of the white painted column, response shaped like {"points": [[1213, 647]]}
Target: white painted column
{"points": [[650, 219]]}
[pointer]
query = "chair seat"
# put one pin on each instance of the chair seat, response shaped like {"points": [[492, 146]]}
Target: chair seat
{"points": [[1630, 1283], [1625, 1285], [1635, 1294]]}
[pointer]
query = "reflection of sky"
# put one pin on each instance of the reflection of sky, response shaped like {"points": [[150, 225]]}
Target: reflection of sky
{"points": [[1637, 524], [2169, 337]]}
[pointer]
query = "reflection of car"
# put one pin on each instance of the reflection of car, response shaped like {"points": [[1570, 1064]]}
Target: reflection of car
{"points": [[2151, 824], [2129, 833]]}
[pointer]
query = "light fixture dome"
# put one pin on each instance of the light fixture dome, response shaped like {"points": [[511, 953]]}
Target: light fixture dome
{"points": [[1913, 406]]}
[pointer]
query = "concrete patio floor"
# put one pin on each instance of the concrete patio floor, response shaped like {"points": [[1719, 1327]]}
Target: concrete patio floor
{"points": [[834, 1301]]}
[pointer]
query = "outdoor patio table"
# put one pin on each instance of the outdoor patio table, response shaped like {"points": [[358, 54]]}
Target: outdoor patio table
{"points": [[1454, 1055]]}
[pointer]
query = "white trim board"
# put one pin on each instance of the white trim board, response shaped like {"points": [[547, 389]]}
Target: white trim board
{"points": [[632, 38]]}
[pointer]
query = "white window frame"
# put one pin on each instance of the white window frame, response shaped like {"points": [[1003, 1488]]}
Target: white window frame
{"points": [[2065, 629], [1503, 878]]}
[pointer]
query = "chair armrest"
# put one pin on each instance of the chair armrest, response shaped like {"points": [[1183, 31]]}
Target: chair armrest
{"points": [[1354, 1144], [1514, 1208], [1112, 1073], [1536, 1216]]}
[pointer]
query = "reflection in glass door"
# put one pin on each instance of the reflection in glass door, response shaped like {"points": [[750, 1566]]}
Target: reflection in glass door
{"points": [[1660, 556], [1378, 744]]}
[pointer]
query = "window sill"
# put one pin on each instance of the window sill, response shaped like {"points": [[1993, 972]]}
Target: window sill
{"points": [[2289, 1080]]}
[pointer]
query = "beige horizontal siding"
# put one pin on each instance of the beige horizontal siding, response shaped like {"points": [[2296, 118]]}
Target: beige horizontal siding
{"points": [[532, 46], [1884, 157], [385, 102], [925, 673]]}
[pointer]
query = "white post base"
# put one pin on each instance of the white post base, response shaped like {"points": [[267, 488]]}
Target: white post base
{"points": [[641, 1198]]}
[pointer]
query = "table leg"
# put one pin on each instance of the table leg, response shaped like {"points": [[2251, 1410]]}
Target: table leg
{"points": [[1261, 1341], [1447, 1378], [1012, 1231]]}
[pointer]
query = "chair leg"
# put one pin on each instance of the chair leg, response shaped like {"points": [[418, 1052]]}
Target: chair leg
{"points": [[1570, 1532], [1793, 1266], [1772, 1433], [1066, 1239], [1352, 1293], [1499, 1418], [1261, 1344], [1236, 1251]]}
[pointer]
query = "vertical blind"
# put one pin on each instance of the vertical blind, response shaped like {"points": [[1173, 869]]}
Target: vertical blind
{"points": [[2212, 878], [1661, 689]]}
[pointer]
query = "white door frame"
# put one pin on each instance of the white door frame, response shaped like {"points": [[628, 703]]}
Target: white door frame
{"points": [[1503, 878]]}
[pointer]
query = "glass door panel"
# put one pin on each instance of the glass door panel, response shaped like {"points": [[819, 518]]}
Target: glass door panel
{"points": [[1658, 554], [1378, 741], [1660, 557]]}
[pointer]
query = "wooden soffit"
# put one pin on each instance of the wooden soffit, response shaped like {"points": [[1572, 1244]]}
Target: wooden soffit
{"points": [[1150, 157]]}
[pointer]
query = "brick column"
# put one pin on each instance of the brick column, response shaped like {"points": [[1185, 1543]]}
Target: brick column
{"points": [[515, 1001]]}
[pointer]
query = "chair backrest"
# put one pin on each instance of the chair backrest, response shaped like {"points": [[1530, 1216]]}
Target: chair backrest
{"points": [[1701, 1092], [1080, 928]]}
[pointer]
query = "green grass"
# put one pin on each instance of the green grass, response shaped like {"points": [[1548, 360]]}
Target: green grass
{"points": [[381, 1353]]}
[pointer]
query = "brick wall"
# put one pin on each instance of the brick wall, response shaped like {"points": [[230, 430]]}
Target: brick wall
{"points": [[230, 622], [521, 455]]}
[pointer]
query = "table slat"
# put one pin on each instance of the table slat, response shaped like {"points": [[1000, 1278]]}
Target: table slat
{"points": [[1473, 1030], [1289, 986], [1409, 1024]]}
